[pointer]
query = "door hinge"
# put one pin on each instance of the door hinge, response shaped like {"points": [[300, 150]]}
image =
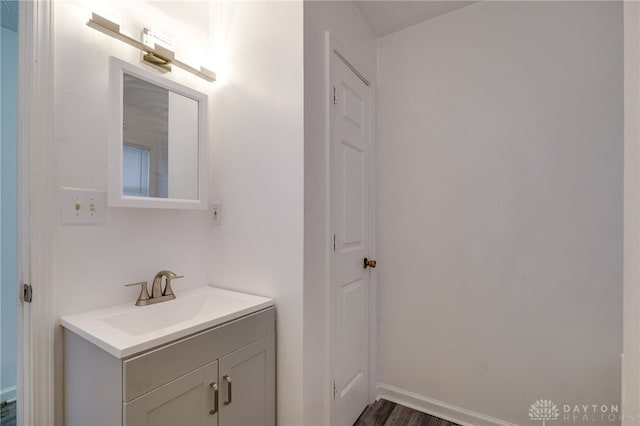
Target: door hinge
{"points": [[335, 95], [335, 390], [27, 293]]}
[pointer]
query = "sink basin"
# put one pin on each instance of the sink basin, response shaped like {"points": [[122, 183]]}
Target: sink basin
{"points": [[126, 330], [156, 317]]}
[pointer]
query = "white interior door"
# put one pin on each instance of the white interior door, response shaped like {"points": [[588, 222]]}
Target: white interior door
{"points": [[350, 130]]}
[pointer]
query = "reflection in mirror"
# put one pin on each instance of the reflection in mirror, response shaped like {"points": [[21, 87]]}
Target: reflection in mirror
{"points": [[160, 141], [135, 170]]}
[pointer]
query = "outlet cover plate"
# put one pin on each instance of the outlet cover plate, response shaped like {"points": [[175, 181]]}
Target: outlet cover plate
{"points": [[215, 213]]}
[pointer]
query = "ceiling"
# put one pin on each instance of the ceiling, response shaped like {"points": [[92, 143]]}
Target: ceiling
{"points": [[386, 17]]}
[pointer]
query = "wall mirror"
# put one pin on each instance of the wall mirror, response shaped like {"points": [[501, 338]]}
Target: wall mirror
{"points": [[158, 142]]}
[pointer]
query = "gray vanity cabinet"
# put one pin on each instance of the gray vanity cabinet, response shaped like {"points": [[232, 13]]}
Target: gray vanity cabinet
{"points": [[223, 376], [245, 386], [184, 401], [249, 398]]}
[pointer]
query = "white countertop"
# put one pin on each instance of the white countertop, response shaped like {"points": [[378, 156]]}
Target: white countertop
{"points": [[126, 330]]}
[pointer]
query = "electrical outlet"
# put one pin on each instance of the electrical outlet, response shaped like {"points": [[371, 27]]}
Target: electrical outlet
{"points": [[215, 213], [82, 206]]}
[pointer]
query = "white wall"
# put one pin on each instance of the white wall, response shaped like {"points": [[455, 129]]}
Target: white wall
{"points": [[258, 159], [500, 206], [9, 216], [256, 134], [349, 28]]}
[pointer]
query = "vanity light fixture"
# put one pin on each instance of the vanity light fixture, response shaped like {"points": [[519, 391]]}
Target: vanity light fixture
{"points": [[156, 54]]}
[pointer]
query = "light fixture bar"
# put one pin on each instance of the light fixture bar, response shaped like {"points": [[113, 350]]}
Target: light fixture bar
{"points": [[156, 55]]}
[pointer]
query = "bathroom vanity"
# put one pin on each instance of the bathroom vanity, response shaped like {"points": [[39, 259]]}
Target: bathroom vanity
{"points": [[210, 360]]}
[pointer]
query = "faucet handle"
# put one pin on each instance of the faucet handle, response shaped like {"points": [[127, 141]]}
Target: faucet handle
{"points": [[168, 291], [144, 292]]}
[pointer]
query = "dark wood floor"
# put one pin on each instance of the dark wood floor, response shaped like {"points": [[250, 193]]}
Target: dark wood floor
{"points": [[380, 413], [8, 413], [385, 413]]}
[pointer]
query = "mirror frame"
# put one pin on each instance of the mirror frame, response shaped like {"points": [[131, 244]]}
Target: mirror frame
{"points": [[117, 69]]}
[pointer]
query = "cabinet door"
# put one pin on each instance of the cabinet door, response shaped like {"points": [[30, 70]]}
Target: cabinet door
{"points": [[247, 385], [187, 401]]}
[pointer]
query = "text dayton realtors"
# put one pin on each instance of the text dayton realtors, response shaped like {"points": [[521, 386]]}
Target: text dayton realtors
{"points": [[590, 412]]}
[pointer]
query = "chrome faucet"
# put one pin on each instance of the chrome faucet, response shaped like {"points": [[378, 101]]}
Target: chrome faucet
{"points": [[157, 293]]}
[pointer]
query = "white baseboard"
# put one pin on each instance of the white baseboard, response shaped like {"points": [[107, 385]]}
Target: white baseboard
{"points": [[436, 408], [8, 394]]}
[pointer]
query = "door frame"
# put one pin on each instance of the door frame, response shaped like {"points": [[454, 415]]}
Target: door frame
{"points": [[36, 203], [630, 369], [332, 45]]}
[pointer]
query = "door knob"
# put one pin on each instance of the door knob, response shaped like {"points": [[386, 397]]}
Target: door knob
{"points": [[369, 262]]}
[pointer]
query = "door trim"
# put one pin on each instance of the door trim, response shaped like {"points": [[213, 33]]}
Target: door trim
{"points": [[35, 206], [332, 45], [630, 369]]}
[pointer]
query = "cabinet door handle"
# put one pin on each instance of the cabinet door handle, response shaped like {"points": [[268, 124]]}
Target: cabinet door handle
{"points": [[228, 380], [214, 386]]}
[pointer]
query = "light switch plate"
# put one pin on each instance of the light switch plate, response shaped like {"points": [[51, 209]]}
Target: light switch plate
{"points": [[80, 206]]}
